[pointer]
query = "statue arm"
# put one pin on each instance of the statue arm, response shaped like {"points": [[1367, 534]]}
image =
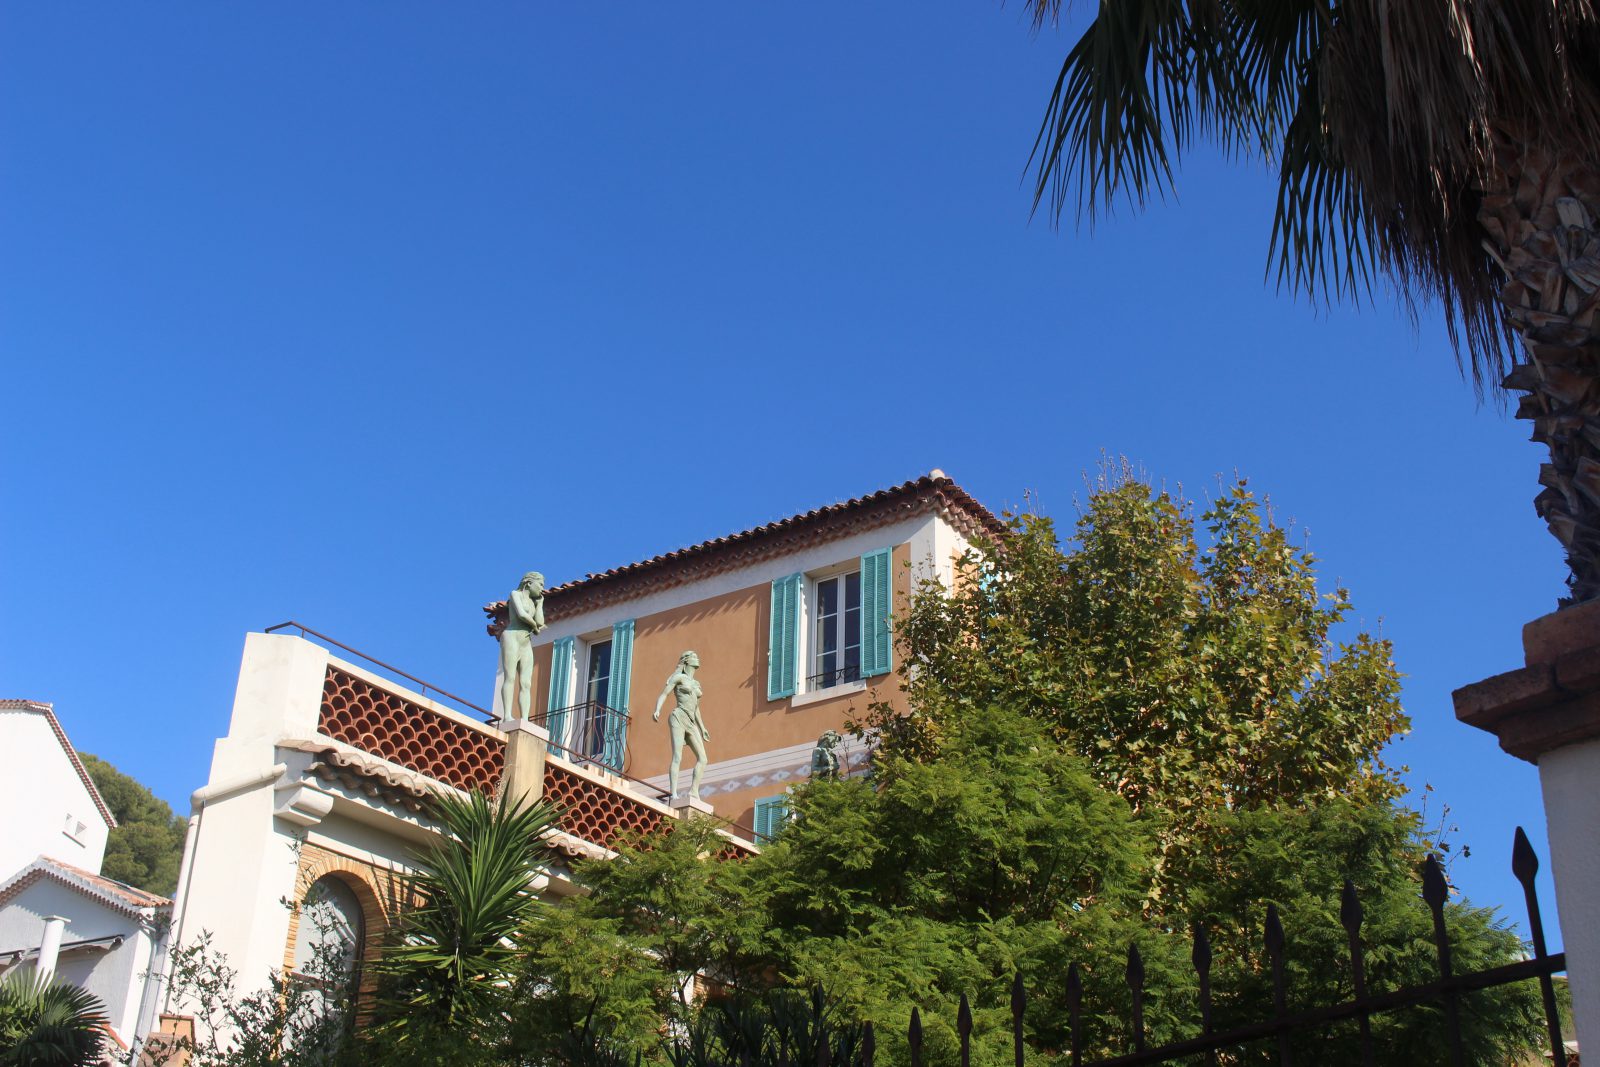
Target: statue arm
{"points": [[662, 699], [519, 605]]}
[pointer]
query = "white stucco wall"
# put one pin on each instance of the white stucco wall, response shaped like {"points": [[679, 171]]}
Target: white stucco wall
{"points": [[40, 791], [115, 976], [239, 861], [1570, 780]]}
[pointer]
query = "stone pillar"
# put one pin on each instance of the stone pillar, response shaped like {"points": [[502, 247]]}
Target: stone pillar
{"points": [[686, 808], [50, 946], [1548, 713], [526, 748]]}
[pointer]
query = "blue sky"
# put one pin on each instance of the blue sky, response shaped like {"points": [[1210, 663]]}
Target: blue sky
{"points": [[353, 313]]}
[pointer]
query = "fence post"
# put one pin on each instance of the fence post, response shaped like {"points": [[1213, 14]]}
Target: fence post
{"points": [[1351, 915], [1525, 865], [1280, 994]]}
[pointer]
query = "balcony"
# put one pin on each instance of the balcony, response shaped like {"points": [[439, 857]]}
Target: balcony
{"points": [[588, 732]]}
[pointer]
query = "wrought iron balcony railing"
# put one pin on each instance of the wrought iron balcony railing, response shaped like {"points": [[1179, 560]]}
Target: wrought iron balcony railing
{"points": [[829, 679], [588, 732]]}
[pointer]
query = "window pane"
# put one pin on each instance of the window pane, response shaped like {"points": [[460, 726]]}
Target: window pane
{"points": [[599, 681], [850, 665], [827, 630]]}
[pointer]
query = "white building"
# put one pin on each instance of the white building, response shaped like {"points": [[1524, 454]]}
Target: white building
{"points": [[48, 802], [111, 936], [58, 914]]}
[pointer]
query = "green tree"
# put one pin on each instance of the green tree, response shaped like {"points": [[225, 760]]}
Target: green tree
{"points": [[1191, 679], [48, 1024], [1452, 147], [146, 848]]}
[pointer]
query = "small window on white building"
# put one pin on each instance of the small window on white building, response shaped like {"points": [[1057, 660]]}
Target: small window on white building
{"points": [[75, 828]]}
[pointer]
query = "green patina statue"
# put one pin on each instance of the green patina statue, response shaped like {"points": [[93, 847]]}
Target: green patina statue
{"points": [[825, 757], [685, 724], [524, 618]]}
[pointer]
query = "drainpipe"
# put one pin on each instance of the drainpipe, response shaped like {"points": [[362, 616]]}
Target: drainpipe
{"points": [[50, 946]]}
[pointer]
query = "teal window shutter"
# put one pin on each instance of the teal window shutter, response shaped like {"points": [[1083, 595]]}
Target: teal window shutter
{"points": [[783, 637], [616, 741], [771, 814], [560, 691], [875, 602]]}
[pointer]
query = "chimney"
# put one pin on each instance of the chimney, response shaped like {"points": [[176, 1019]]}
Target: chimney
{"points": [[50, 946]]}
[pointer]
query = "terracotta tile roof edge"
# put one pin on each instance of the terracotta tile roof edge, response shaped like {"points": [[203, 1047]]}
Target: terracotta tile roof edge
{"points": [[118, 895], [49, 712], [936, 484]]}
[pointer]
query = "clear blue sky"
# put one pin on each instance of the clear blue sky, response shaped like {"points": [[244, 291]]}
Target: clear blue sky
{"points": [[352, 313]]}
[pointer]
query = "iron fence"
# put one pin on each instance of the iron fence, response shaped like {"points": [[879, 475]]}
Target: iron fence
{"points": [[1445, 991]]}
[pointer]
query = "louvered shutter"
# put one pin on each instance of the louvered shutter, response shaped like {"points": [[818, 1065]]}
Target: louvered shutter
{"points": [[616, 742], [560, 689], [783, 637], [875, 602], [771, 814]]}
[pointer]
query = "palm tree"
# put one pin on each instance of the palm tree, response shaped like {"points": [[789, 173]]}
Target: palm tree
{"points": [[48, 1024], [1452, 146], [453, 961]]}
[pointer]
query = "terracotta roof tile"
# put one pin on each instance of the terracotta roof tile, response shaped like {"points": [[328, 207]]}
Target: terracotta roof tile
{"points": [[49, 712], [933, 491], [118, 894]]}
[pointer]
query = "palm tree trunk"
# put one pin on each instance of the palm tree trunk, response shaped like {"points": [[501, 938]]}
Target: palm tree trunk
{"points": [[1542, 226]]}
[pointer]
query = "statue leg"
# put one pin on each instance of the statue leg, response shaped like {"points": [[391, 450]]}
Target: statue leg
{"points": [[699, 747], [508, 678], [525, 668], [672, 768]]}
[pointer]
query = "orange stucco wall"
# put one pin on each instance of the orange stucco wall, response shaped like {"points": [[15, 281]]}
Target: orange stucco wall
{"points": [[730, 634]]}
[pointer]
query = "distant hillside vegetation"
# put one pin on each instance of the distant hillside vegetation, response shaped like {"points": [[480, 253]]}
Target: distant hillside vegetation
{"points": [[147, 846]]}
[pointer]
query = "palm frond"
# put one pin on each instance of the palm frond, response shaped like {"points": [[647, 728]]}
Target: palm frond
{"points": [[1383, 117]]}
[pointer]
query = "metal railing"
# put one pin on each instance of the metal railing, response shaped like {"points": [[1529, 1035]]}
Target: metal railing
{"points": [[422, 687], [588, 732], [829, 679]]}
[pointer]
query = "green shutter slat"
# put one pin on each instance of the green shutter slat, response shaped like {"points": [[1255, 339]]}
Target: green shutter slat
{"points": [[771, 813], [875, 605], [616, 741], [560, 679], [783, 633]]}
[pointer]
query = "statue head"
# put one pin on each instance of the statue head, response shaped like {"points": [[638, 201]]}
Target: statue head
{"points": [[689, 659], [830, 739], [533, 581]]}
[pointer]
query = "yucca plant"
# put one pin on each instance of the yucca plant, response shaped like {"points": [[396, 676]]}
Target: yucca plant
{"points": [[48, 1024], [1452, 146], [449, 968]]}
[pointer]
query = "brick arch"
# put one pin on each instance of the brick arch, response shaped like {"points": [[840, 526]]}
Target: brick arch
{"points": [[376, 890]]}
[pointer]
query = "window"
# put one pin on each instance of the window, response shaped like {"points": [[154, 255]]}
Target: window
{"points": [[75, 828], [328, 942], [591, 741], [771, 815], [835, 631], [839, 634]]}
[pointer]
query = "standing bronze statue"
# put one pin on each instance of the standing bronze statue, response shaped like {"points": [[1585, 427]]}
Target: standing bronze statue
{"points": [[825, 757], [685, 723], [524, 618]]}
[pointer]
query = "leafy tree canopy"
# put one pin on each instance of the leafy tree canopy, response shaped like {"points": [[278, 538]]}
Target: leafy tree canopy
{"points": [[146, 848]]}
